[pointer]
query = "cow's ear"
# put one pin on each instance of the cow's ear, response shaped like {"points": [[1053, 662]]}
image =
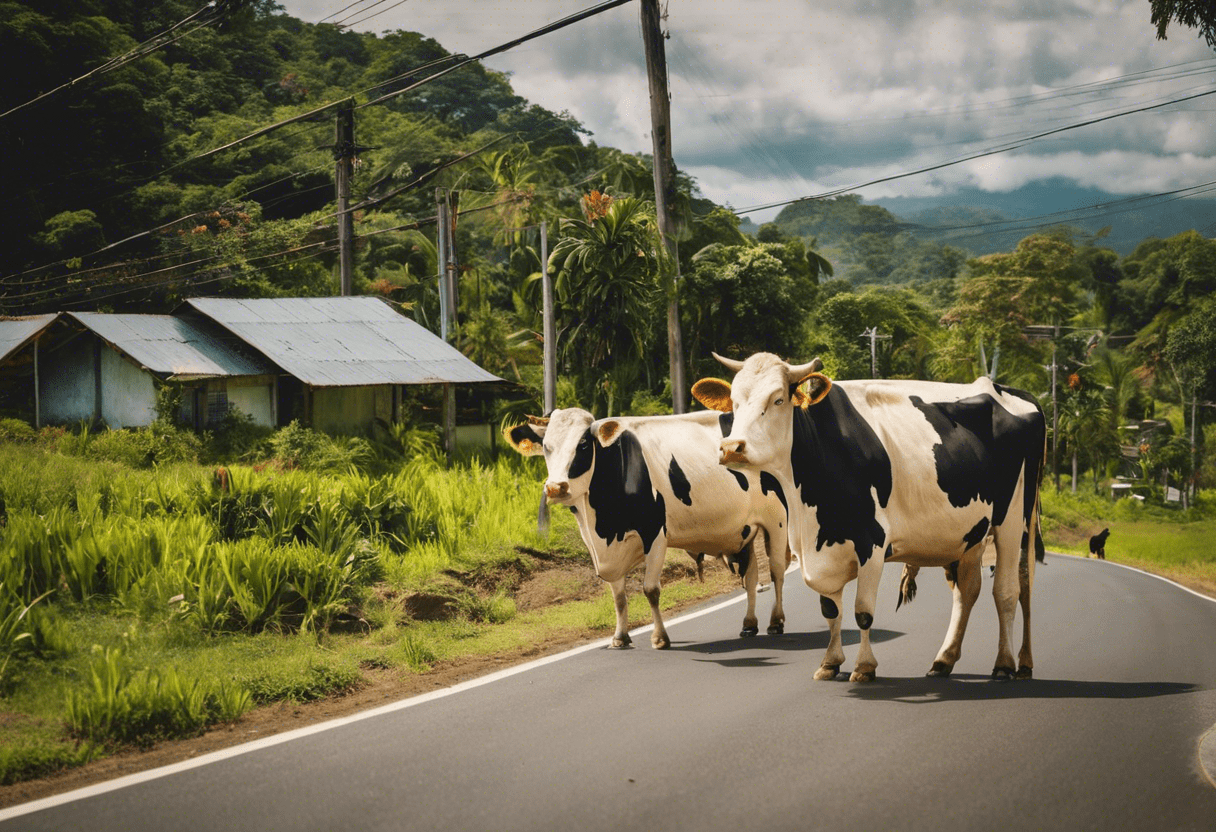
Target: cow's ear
{"points": [[714, 393], [527, 439], [607, 431], [817, 387]]}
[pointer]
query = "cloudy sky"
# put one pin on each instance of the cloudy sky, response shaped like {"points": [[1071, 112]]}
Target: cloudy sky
{"points": [[778, 99]]}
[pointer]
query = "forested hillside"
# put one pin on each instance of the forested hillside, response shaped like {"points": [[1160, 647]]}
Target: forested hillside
{"points": [[206, 167]]}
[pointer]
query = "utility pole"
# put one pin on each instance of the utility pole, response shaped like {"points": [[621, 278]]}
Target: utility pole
{"points": [[443, 241], [547, 330], [872, 334], [664, 190], [1055, 414], [344, 167]]}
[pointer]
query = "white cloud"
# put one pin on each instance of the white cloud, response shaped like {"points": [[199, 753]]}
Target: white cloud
{"points": [[775, 99]]}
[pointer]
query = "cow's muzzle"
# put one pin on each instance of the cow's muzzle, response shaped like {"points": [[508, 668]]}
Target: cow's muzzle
{"points": [[733, 452], [556, 490]]}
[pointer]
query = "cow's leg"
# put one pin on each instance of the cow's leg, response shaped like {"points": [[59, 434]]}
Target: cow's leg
{"points": [[833, 658], [1005, 589], [620, 639], [966, 590], [651, 587], [1026, 562], [751, 577], [778, 553], [868, 577]]}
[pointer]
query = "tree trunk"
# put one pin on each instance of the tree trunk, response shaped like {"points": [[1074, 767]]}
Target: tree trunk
{"points": [[1074, 471]]}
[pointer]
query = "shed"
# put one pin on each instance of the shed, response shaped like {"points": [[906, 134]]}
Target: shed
{"points": [[18, 365], [106, 367], [347, 357]]}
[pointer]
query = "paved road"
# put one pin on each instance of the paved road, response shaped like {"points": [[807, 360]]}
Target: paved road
{"points": [[722, 733]]}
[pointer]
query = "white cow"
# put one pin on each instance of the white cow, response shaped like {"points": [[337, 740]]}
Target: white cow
{"points": [[917, 472], [639, 484]]}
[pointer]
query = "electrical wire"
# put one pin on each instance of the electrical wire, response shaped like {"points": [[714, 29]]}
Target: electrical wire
{"points": [[213, 12], [1013, 145]]}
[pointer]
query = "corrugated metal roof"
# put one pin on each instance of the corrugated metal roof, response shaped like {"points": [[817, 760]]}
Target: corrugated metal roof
{"points": [[17, 332], [171, 346], [342, 341]]}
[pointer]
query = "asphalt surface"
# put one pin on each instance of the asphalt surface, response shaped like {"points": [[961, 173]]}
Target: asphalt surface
{"points": [[726, 733]]}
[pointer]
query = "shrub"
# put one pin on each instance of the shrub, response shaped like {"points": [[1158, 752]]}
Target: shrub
{"points": [[15, 430], [157, 444], [238, 438], [314, 450]]}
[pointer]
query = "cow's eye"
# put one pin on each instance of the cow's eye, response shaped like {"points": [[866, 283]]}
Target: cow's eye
{"points": [[779, 402]]}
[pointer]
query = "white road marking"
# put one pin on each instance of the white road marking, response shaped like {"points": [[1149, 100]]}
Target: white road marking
{"points": [[298, 733]]}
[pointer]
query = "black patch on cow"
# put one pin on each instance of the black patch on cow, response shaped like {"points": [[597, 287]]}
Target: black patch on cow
{"points": [[837, 459], [680, 486], [887, 555], [977, 534], [573, 510], [982, 450], [622, 494], [864, 620], [828, 607], [584, 455], [740, 477], [952, 573], [725, 422], [769, 483], [747, 530]]}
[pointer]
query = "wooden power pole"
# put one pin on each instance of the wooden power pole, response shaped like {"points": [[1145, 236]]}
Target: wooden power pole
{"points": [[344, 168], [665, 190]]}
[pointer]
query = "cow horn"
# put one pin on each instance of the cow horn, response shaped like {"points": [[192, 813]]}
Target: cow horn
{"points": [[803, 370], [729, 363], [538, 421]]}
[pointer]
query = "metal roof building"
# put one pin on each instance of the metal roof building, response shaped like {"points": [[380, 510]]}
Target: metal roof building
{"points": [[15, 333], [341, 341], [173, 347]]}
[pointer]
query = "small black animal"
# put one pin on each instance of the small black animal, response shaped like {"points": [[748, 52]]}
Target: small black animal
{"points": [[1097, 544]]}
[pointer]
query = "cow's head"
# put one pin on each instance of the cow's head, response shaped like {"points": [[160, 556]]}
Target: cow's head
{"points": [[761, 402], [567, 440]]}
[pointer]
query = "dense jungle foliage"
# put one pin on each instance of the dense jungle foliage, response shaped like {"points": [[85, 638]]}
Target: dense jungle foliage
{"points": [[132, 200]]}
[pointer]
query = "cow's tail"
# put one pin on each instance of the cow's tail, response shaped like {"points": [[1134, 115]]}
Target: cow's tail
{"points": [[1036, 511], [907, 585]]}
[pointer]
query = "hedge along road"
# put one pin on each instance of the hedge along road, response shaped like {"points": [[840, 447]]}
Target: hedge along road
{"points": [[726, 733]]}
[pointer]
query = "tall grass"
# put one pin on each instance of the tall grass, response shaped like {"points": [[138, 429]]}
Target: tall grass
{"points": [[121, 705], [158, 563]]}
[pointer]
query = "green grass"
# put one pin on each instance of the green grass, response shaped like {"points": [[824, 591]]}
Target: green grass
{"points": [[181, 594], [1166, 540]]}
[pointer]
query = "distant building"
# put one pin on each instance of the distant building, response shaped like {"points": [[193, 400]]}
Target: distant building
{"points": [[344, 359], [336, 364]]}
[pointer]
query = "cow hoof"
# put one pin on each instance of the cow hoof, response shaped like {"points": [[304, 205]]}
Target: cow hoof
{"points": [[748, 632], [940, 670], [1025, 672], [863, 676], [776, 629], [1003, 674], [622, 643], [660, 642], [827, 672]]}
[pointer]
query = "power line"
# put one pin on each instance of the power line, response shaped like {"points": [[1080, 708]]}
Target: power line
{"points": [[344, 25], [211, 13], [1014, 145]]}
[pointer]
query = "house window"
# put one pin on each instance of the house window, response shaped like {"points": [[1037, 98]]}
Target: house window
{"points": [[217, 406]]}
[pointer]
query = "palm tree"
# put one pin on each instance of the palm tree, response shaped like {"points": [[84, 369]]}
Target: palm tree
{"points": [[606, 291]]}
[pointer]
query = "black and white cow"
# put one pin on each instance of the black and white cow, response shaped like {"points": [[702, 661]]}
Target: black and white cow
{"points": [[639, 484], [917, 472]]}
